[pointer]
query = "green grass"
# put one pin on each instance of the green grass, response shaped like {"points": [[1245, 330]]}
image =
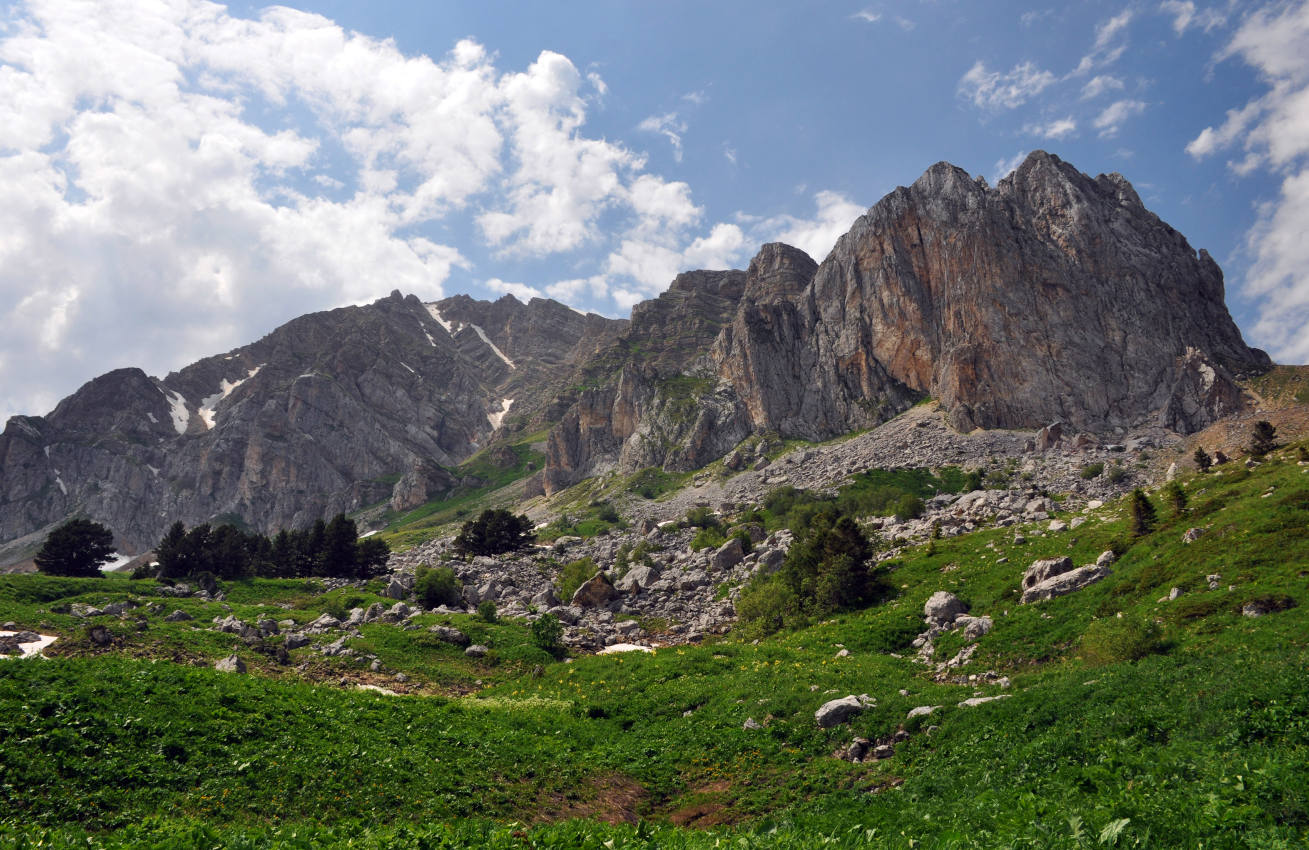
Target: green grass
{"points": [[1184, 724]]}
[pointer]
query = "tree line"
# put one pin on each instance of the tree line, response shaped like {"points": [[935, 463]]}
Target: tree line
{"points": [[328, 549]]}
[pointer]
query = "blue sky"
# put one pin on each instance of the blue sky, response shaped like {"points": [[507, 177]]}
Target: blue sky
{"points": [[179, 177]]}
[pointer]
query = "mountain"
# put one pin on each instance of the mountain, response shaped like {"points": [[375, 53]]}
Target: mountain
{"points": [[1052, 296], [331, 412]]}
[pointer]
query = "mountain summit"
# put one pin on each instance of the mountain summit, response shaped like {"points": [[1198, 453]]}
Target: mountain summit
{"points": [[1052, 296]]}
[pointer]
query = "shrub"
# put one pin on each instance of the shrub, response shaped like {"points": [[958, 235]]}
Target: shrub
{"points": [[573, 575], [708, 538], [1176, 497], [547, 633], [494, 532], [1092, 470], [1202, 459], [606, 512], [1142, 513], [438, 586], [1115, 640], [700, 518], [1263, 438], [486, 610], [1116, 474], [767, 605]]}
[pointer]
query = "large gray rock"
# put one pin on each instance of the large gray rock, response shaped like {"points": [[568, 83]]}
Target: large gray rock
{"points": [[728, 555], [595, 592], [230, 664], [1043, 570], [638, 578], [1064, 583], [838, 711], [449, 634], [942, 608]]}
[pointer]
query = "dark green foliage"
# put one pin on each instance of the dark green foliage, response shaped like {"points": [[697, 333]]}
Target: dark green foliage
{"points": [[439, 586], [494, 532], [326, 549], [486, 611], [77, 548], [1142, 513], [1202, 459], [1116, 473], [1175, 496], [606, 512], [573, 575], [1092, 470], [652, 482], [700, 518], [825, 570], [1263, 438], [547, 632]]}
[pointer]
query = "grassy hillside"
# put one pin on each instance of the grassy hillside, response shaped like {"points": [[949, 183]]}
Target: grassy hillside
{"points": [[1128, 721]]}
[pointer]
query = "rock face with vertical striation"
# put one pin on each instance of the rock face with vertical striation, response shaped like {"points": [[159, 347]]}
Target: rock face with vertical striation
{"points": [[1052, 297]]}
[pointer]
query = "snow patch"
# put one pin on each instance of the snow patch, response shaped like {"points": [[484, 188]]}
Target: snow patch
{"points": [[407, 366], [47, 452], [63, 488], [486, 339], [624, 647], [178, 410], [153, 469], [151, 417], [368, 534], [118, 561], [496, 418], [450, 327], [225, 387], [34, 648]]}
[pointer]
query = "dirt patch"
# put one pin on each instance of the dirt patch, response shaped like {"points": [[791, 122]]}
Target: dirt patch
{"points": [[612, 798], [706, 806]]}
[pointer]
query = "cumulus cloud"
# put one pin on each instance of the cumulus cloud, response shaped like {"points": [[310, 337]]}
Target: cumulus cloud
{"points": [[1100, 84], [868, 16], [1115, 115], [834, 214], [995, 90], [176, 179], [521, 291], [1273, 132]]}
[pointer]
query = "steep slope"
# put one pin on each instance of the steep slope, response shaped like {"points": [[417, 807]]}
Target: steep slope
{"points": [[1052, 297], [330, 412]]}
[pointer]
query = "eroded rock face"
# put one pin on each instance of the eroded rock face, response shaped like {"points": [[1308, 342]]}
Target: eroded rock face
{"points": [[1053, 297]]}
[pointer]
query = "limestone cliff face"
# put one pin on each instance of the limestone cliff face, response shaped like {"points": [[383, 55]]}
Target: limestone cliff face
{"points": [[331, 412], [1053, 296]]}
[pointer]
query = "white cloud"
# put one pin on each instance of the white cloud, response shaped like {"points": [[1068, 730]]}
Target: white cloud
{"points": [[521, 291], [868, 16], [1108, 46], [1100, 84], [1057, 129], [698, 98], [834, 215], [176, 179], [994, 90], [1185, 14], [730, 153], [1273, 130], [1115, 114], [670, 127], [1004, 167]]}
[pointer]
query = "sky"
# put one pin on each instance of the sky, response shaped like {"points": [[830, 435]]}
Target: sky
{"points": [[178, 178]]}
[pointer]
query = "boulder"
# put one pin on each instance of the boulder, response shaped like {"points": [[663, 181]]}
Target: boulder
{"points": [[81, 609], [1064, 583], [230, 664], [395, 589], [295, 640], [449, 634], [942, 608], [728, 555], [1045, 569], [477, 650], [178, 616], [922, 711], [595, 592], [1192, 535], [770, 560], [838, 711], [325, 622], [638, 578], [974, 627]]}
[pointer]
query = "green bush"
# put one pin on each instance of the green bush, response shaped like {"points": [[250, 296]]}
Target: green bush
{"points": [[708, 538], [700, 518], [77, 548], [494, 532], [486, 611], [439, 586], [1116, 474], [573, 575], [1092, 470], [547, 633], [1117, 639]]}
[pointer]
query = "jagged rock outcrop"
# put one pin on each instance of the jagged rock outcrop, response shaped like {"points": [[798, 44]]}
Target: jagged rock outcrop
{"points": [[1052, 297], [331, 412]]}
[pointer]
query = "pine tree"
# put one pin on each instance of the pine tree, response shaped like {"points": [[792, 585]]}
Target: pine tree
{"points": [[1202, 459], [1176, 497], [1263, 438], [76, 548], [1143, 514]]}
